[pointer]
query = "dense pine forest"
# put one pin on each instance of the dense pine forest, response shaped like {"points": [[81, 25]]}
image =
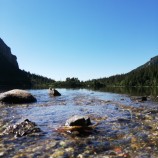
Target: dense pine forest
{"points": [[38, 81]]}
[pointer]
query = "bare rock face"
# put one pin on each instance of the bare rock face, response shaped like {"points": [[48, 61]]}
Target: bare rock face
{"points": [[5, 52], [17, 96]]}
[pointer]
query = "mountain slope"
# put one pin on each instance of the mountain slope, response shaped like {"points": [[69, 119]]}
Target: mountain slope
{"points": [[152, 62], [145, 75], [12, 76], [6, 57]]}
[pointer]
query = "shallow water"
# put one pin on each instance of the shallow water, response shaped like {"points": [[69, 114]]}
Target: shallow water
{"points": [[50, 113]]}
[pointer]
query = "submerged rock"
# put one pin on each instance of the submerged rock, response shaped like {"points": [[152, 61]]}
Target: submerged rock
{"points": [[17, 96], [123, 120], [78, 121], [144, 98], [24, 128], [139, 99], [54, 92]]}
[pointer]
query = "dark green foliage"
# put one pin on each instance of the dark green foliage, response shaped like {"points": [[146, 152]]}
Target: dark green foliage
{"points": [[38, 81], [69, 83], [72, 82], [95, 84]]}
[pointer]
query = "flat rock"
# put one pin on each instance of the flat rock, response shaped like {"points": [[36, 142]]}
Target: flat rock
{"points": [[17, 96], [78, 121]]}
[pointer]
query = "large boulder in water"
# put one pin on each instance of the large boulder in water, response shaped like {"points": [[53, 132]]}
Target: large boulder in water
{"points": [[17, 96], [78, 121]]}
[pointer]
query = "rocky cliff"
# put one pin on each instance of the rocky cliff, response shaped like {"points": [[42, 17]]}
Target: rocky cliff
{"points": [[6, 55], [10, 74]]}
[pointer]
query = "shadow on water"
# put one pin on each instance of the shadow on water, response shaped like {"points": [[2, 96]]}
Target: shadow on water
{"points": [[132, 91]]}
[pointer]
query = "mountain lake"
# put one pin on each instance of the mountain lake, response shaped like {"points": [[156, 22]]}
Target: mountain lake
{"points": [[124, 126]]}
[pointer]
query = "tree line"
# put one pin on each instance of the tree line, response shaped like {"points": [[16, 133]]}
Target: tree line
{"points": [[140, 77], [146, 75]]}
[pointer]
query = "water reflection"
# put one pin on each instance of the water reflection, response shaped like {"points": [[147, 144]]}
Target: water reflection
{"points": [[133, 91]]}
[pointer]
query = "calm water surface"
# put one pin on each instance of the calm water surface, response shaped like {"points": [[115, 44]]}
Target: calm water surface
{"points": [[49, 113]]}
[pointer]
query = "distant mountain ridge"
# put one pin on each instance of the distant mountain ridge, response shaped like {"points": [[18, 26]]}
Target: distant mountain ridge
{"points": [[5, 54], [152, 61]]}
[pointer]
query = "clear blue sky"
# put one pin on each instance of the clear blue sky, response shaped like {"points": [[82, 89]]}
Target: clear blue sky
{"points": [[80, 38]]}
